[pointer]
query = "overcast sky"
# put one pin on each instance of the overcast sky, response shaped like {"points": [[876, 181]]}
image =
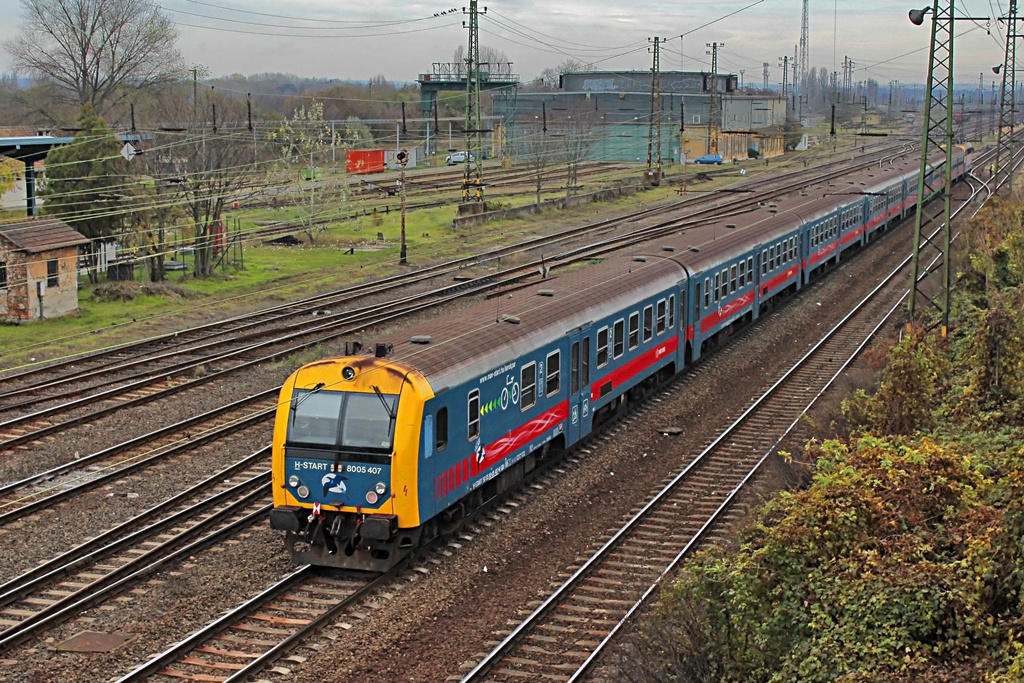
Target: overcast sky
{"points": [[356, 40]]}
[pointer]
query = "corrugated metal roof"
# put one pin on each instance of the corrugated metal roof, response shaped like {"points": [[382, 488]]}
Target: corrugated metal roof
{"points": [[42, 234]]}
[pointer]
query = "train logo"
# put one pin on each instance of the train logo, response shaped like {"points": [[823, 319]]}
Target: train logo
{"points": [[333, 483], [480, 453]]}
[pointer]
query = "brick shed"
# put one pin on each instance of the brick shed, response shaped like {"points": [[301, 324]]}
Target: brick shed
{"points": [[38, 269]]}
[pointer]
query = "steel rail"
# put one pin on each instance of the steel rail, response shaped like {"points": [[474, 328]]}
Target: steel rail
{"points": [[505, 647]]}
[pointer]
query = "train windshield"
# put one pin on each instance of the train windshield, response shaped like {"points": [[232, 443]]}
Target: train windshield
{"points": [[345, 420]]}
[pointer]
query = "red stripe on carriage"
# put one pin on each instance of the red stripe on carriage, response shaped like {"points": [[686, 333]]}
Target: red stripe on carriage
{"points": [[778, 280], [727, 311], [634, 367], [852, 235], [458, 475], [822, 254], [520, 436]]}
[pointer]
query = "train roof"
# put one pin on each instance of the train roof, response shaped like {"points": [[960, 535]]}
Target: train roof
{"points": [[488, 334]]}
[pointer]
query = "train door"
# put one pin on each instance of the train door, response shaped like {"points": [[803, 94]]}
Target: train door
{"points": [[579, 384]]}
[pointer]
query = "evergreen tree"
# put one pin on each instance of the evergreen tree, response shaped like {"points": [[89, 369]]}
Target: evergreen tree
{"points": [[84, 182]]}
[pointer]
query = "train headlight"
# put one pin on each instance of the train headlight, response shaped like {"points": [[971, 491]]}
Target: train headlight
{"points": [[380, 488], [303, 492], [294, 481], [371, 497]]}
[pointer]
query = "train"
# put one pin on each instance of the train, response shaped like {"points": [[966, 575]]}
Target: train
{"points": [[378, 452]]}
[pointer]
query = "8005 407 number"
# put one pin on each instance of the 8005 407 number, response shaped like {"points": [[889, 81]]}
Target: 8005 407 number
{"points": [[363, 469]]}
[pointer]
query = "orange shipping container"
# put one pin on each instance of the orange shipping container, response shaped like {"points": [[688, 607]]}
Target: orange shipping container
{"points": [[364, 161]]}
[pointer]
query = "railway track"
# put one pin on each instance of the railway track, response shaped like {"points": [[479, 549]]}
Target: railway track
{"points": [[658, 530], [45, 489], [257, 633], [110, 562], [564, 636], [233, 655], [16, 386]]}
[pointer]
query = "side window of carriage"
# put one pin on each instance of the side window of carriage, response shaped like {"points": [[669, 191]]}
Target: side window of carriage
{"points": [[648, 323], [473, 408], [441, 429], [528, 381], [618, 338], [553, 365], [602, 347]]}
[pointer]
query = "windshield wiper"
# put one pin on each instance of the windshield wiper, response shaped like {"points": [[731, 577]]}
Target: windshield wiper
{"points": [[297, 401], [383, 401]]}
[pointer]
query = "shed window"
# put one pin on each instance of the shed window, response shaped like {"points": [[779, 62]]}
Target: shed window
{"points": [[662, 316], [441, 429], [528, 381], [619, 338], [51, 273], [634, 330], [553, 368], [473, 409], [3, 276], [602, 347], [648, 323]]}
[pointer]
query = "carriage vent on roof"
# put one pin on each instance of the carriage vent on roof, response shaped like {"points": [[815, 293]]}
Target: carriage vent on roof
{"points": [[420, 339], [670, 249], [511, 319], [640, 259], [545, 292], [730, 225]]}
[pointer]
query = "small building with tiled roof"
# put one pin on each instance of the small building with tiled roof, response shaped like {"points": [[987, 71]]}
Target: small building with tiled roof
{"points": [[38, 269]]}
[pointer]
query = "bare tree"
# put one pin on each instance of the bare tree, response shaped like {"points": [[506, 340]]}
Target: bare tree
{"points": [[306, 142], [91, 48], [549, 77], [536, 151], [217, 162], [577, 129]]}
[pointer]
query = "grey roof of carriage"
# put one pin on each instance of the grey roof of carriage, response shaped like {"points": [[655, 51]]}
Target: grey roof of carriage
{"points": [[481, 337], [478, 338]]}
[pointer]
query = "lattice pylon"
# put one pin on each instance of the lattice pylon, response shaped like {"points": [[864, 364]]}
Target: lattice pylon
{"points": [[473, 171], [1007, 104], [937, 136]]}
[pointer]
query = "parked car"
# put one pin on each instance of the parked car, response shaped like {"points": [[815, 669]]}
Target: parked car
{"points": [[458, 158], [709, 159]]}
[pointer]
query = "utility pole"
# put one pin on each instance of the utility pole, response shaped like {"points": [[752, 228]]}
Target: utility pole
{"points": [[1007, 102], [796, 75], [472, 177], [936, 137], [891, 114], [784, 63], [714, 106], [805, 53], [979, 134], [654, 121]]}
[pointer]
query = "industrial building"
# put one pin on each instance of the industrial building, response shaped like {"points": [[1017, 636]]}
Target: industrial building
{"points": [[617, 107]]}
